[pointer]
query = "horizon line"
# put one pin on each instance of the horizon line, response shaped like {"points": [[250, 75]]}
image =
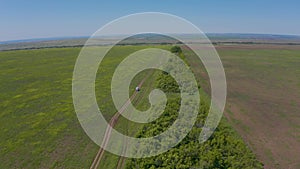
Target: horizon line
{"points": [[41, 39]]}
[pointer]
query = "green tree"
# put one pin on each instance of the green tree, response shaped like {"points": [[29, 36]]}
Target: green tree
{"points": [[176, 49]]}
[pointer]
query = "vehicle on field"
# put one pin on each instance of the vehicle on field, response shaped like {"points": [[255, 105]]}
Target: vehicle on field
{"points": [[137, 89]]}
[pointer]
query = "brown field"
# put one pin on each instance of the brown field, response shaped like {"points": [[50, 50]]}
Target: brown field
{"points": [[263, 99]]}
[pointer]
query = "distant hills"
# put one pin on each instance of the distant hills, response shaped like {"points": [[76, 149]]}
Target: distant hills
{"points": [[251, 36], [216, 38]]}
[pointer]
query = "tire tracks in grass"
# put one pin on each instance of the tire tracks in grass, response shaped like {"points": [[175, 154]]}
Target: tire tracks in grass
{"points": [[112, 123], [122, 160]]}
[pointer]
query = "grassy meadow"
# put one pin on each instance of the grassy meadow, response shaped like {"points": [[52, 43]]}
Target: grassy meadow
{"points": [[39, 127]]}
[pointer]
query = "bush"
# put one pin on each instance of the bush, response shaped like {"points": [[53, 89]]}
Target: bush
{"points": [[176, 49]]}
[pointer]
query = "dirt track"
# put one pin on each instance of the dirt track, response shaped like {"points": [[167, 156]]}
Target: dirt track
{"points": [[112, 123]]}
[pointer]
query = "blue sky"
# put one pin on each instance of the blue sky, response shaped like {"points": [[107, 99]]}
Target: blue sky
{"points": [[22, 19]]}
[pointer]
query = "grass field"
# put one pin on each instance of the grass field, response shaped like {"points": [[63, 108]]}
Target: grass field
{"points": [[263, 99], [39, 128]]}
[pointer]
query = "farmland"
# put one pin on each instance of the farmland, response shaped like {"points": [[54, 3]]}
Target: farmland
{"points": [[263, 99], [264, 96], [39, 128]]}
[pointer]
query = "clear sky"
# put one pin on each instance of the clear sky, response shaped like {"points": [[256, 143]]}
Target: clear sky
{"points": [[26, 19]]}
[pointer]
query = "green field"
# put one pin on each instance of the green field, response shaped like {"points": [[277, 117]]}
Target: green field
{"points": [[39, 128]]}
